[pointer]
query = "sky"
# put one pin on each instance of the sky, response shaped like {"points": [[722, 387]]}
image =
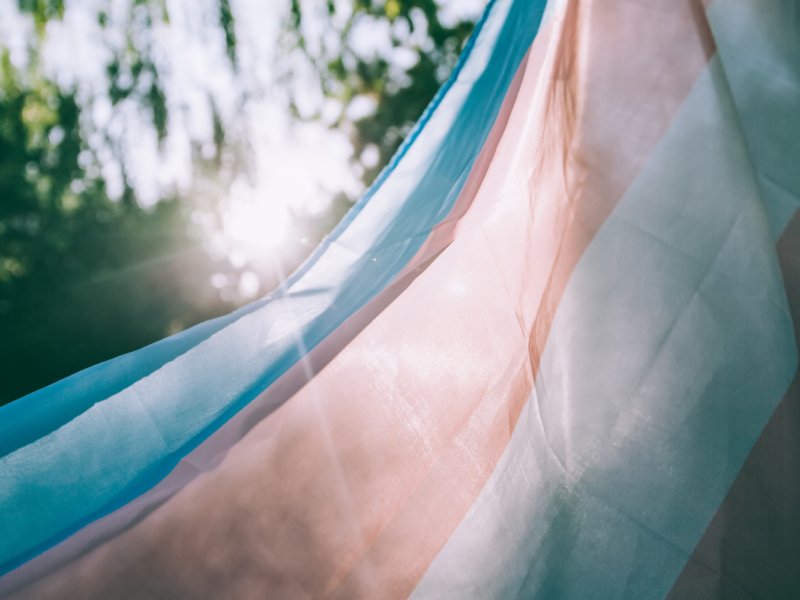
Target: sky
{"points": [[294, 167]]}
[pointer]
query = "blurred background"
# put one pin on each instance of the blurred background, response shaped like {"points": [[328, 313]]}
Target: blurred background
{"points": [[163, 162]]}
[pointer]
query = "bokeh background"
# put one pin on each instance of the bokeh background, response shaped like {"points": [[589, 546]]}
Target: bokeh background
{"points": [[163, 162]]}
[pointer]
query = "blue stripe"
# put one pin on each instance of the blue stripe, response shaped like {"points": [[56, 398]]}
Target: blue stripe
{"points": [[90, 444], [35, 415]]}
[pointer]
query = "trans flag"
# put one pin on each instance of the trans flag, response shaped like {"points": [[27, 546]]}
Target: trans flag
{"points": [[549, 355]]}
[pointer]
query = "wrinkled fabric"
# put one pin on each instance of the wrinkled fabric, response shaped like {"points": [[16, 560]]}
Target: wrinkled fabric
{"points": [[541, 359], [96, 442]]}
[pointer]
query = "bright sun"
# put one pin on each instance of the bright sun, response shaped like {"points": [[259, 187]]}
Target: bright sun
{"points": [[257, 226]]}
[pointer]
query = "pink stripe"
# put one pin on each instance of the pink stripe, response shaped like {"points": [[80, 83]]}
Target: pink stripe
{"points": [[210, 453], [95, 568]]}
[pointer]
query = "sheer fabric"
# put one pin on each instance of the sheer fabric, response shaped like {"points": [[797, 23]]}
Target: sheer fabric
{"points": [[533, 361]]}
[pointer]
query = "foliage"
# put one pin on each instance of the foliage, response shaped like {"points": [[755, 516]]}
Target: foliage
{"points": [[82, 278], [400, 94]]}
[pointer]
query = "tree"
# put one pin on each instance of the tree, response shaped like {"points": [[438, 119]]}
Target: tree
{"points": [[394, 83]]}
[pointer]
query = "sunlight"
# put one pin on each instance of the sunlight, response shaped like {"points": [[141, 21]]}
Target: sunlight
{"points": [[257, 227]]}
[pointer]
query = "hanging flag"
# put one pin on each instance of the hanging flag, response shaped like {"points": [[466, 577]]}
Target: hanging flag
{"points": [[549, 354]]}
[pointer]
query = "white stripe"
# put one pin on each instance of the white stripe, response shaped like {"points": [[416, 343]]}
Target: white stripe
{"points": [[670, 349]]}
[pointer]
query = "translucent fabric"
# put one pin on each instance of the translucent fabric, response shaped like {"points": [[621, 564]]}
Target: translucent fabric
{"points": [[533, 362], [101, 439]]}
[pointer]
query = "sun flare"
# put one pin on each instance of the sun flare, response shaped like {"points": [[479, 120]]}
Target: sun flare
{"points": [[257, 226]]}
